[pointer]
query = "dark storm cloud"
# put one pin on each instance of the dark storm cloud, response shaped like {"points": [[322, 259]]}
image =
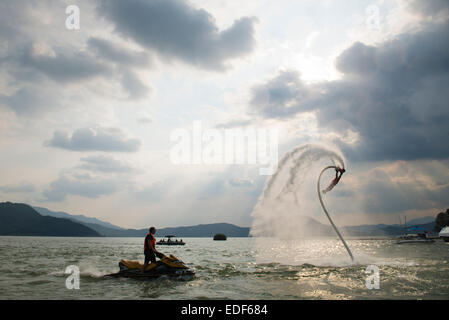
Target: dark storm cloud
{"points": [[94, 139], [394, 96], [176, 30]]}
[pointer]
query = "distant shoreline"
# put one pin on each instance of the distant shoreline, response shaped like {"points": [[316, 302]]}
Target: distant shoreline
{"points": [[198, 237]]}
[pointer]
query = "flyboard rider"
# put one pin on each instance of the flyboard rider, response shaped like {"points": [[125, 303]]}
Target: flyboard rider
{"points": [[338, 173]]}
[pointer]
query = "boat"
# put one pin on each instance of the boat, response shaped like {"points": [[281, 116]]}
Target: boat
{"points": [[168, 266], [444, 233], [432, 235], [414, 234], [170, 242], [414, 238]]}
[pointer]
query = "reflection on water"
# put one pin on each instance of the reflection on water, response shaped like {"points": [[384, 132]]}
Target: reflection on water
{"points": [[239, 268]]}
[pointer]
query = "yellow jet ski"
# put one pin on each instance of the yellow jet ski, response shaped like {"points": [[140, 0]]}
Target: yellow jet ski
{"points": [[169, 266]]}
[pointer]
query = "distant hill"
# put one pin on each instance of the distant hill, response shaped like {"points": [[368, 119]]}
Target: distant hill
{"points": [[20, 219], [384, 229], [206, 230], [202, 230], [423, 220], [373, 230], [76, 217], [23, 220]]}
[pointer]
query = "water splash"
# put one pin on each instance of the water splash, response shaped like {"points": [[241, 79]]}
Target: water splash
{"points": [[289, 195], [288, 203], [87, 270]]}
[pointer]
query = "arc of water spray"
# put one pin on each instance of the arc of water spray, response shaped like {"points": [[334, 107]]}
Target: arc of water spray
{"points": [[327, 213]]}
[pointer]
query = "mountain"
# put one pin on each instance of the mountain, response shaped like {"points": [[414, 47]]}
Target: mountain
{"points": [[202, 230], [312, 228], [21, 219], [384, 229], [373, 230], [18, 219], [206, 230], [423, 220], [76, 217]]}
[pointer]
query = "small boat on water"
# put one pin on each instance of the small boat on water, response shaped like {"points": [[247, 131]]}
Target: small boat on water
{"points": [[170, 242], [414, 238], [444, 233], [415, 234]]}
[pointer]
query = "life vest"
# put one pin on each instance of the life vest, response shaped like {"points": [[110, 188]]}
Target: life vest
{"points": [[153, 242]]}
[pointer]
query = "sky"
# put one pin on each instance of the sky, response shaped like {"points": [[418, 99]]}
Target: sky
{"points": [[89, 106]]}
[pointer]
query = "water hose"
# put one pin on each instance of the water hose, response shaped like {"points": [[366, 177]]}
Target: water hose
{"points": [[327, 213]]}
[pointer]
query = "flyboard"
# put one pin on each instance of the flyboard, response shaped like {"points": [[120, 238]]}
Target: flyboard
{"points": [[327, 213]]}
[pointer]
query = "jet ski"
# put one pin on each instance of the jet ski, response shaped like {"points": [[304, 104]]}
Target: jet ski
{"points": [[169, 266]]}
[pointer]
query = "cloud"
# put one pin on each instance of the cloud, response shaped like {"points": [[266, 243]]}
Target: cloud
{"points": [[104, 164], [132, 84], [282, 96], [126, 61], [96, 176], [144, 120], [94, 139], [392, 96], [429, 8], [58, 66], [154, 192], [402, 186], [30, 100], [241, 182], [233, 124], [85, 185], [116, 53], [176, 30], [32, 58], [23, 187]]}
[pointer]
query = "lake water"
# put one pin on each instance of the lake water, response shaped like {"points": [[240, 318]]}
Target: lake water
{"points": [[239, 268]]}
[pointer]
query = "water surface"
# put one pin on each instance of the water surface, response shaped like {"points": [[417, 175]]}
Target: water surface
{"points": [[239, 268]]}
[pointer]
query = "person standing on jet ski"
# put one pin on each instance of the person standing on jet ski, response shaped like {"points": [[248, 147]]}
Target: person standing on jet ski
{"points": [[149, 248]]}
